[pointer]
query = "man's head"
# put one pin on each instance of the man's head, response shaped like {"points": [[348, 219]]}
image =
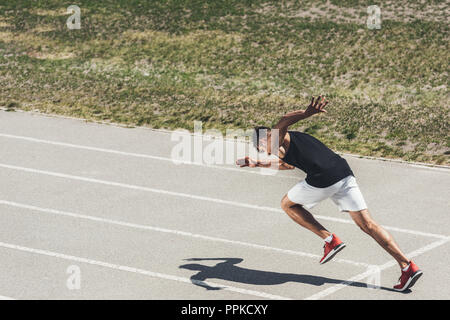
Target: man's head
{"points": [[261, 135]]}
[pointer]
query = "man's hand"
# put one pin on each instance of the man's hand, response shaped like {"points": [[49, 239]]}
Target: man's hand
{"points": [[249, 162], [275, 163], [316, 106]]}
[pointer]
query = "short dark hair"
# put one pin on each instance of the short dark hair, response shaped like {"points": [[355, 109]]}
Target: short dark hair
{"points": [[256, 134]]}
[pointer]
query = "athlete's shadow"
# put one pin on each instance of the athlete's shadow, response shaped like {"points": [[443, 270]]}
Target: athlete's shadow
{"points": [[227, 270]]}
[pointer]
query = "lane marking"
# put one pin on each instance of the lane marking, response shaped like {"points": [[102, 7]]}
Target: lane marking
{"points": [[196, 197], [139, 271], [141, 155], [420, 165], [441, 169], [423, 165], [176, 232], [366, 274], [6, 298]]}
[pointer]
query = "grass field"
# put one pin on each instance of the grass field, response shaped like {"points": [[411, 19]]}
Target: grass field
{"points": [[236, 64]]}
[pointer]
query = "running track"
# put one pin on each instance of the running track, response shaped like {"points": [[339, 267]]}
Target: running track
{"points": [[109, 203]]}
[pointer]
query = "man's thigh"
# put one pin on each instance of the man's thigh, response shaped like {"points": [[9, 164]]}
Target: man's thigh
{"points": [[349, 196], [307, 195]]}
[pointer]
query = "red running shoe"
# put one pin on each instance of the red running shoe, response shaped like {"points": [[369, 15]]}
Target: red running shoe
{"points": [[330, 249], [408, 277]]}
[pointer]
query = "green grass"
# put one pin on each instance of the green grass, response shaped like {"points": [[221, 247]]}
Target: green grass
{"points": [[237, 64]]}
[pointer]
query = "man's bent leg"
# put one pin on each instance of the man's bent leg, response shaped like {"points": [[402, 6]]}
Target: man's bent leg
{"points": [[303, 217], [363, 219]]}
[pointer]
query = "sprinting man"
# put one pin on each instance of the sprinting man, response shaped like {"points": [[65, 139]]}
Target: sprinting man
{"points": [[328, 176]]}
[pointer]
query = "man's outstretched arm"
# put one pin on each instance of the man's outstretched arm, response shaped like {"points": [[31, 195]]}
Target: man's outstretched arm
{"points": [[280, 129], [275, 163], [316, 106]]}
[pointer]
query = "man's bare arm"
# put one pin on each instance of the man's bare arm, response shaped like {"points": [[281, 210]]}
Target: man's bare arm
{"points": [[275, 164], [316, 106], [284, 166]]}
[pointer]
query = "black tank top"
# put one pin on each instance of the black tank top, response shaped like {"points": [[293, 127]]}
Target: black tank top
{"points": [[322, 166]]}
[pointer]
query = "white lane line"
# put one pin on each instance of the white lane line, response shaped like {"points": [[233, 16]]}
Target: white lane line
{"points": [[196, 197], [422, 165], [366, 274], [139, 271], [141, 155], [176, 232], [6, 298], [437, 168]]}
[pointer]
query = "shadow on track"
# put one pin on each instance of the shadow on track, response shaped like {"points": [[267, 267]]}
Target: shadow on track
{"points": [[228, 271]]}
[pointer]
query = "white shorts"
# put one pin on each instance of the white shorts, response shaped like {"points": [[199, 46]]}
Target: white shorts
{"points": [[344, 193]]}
